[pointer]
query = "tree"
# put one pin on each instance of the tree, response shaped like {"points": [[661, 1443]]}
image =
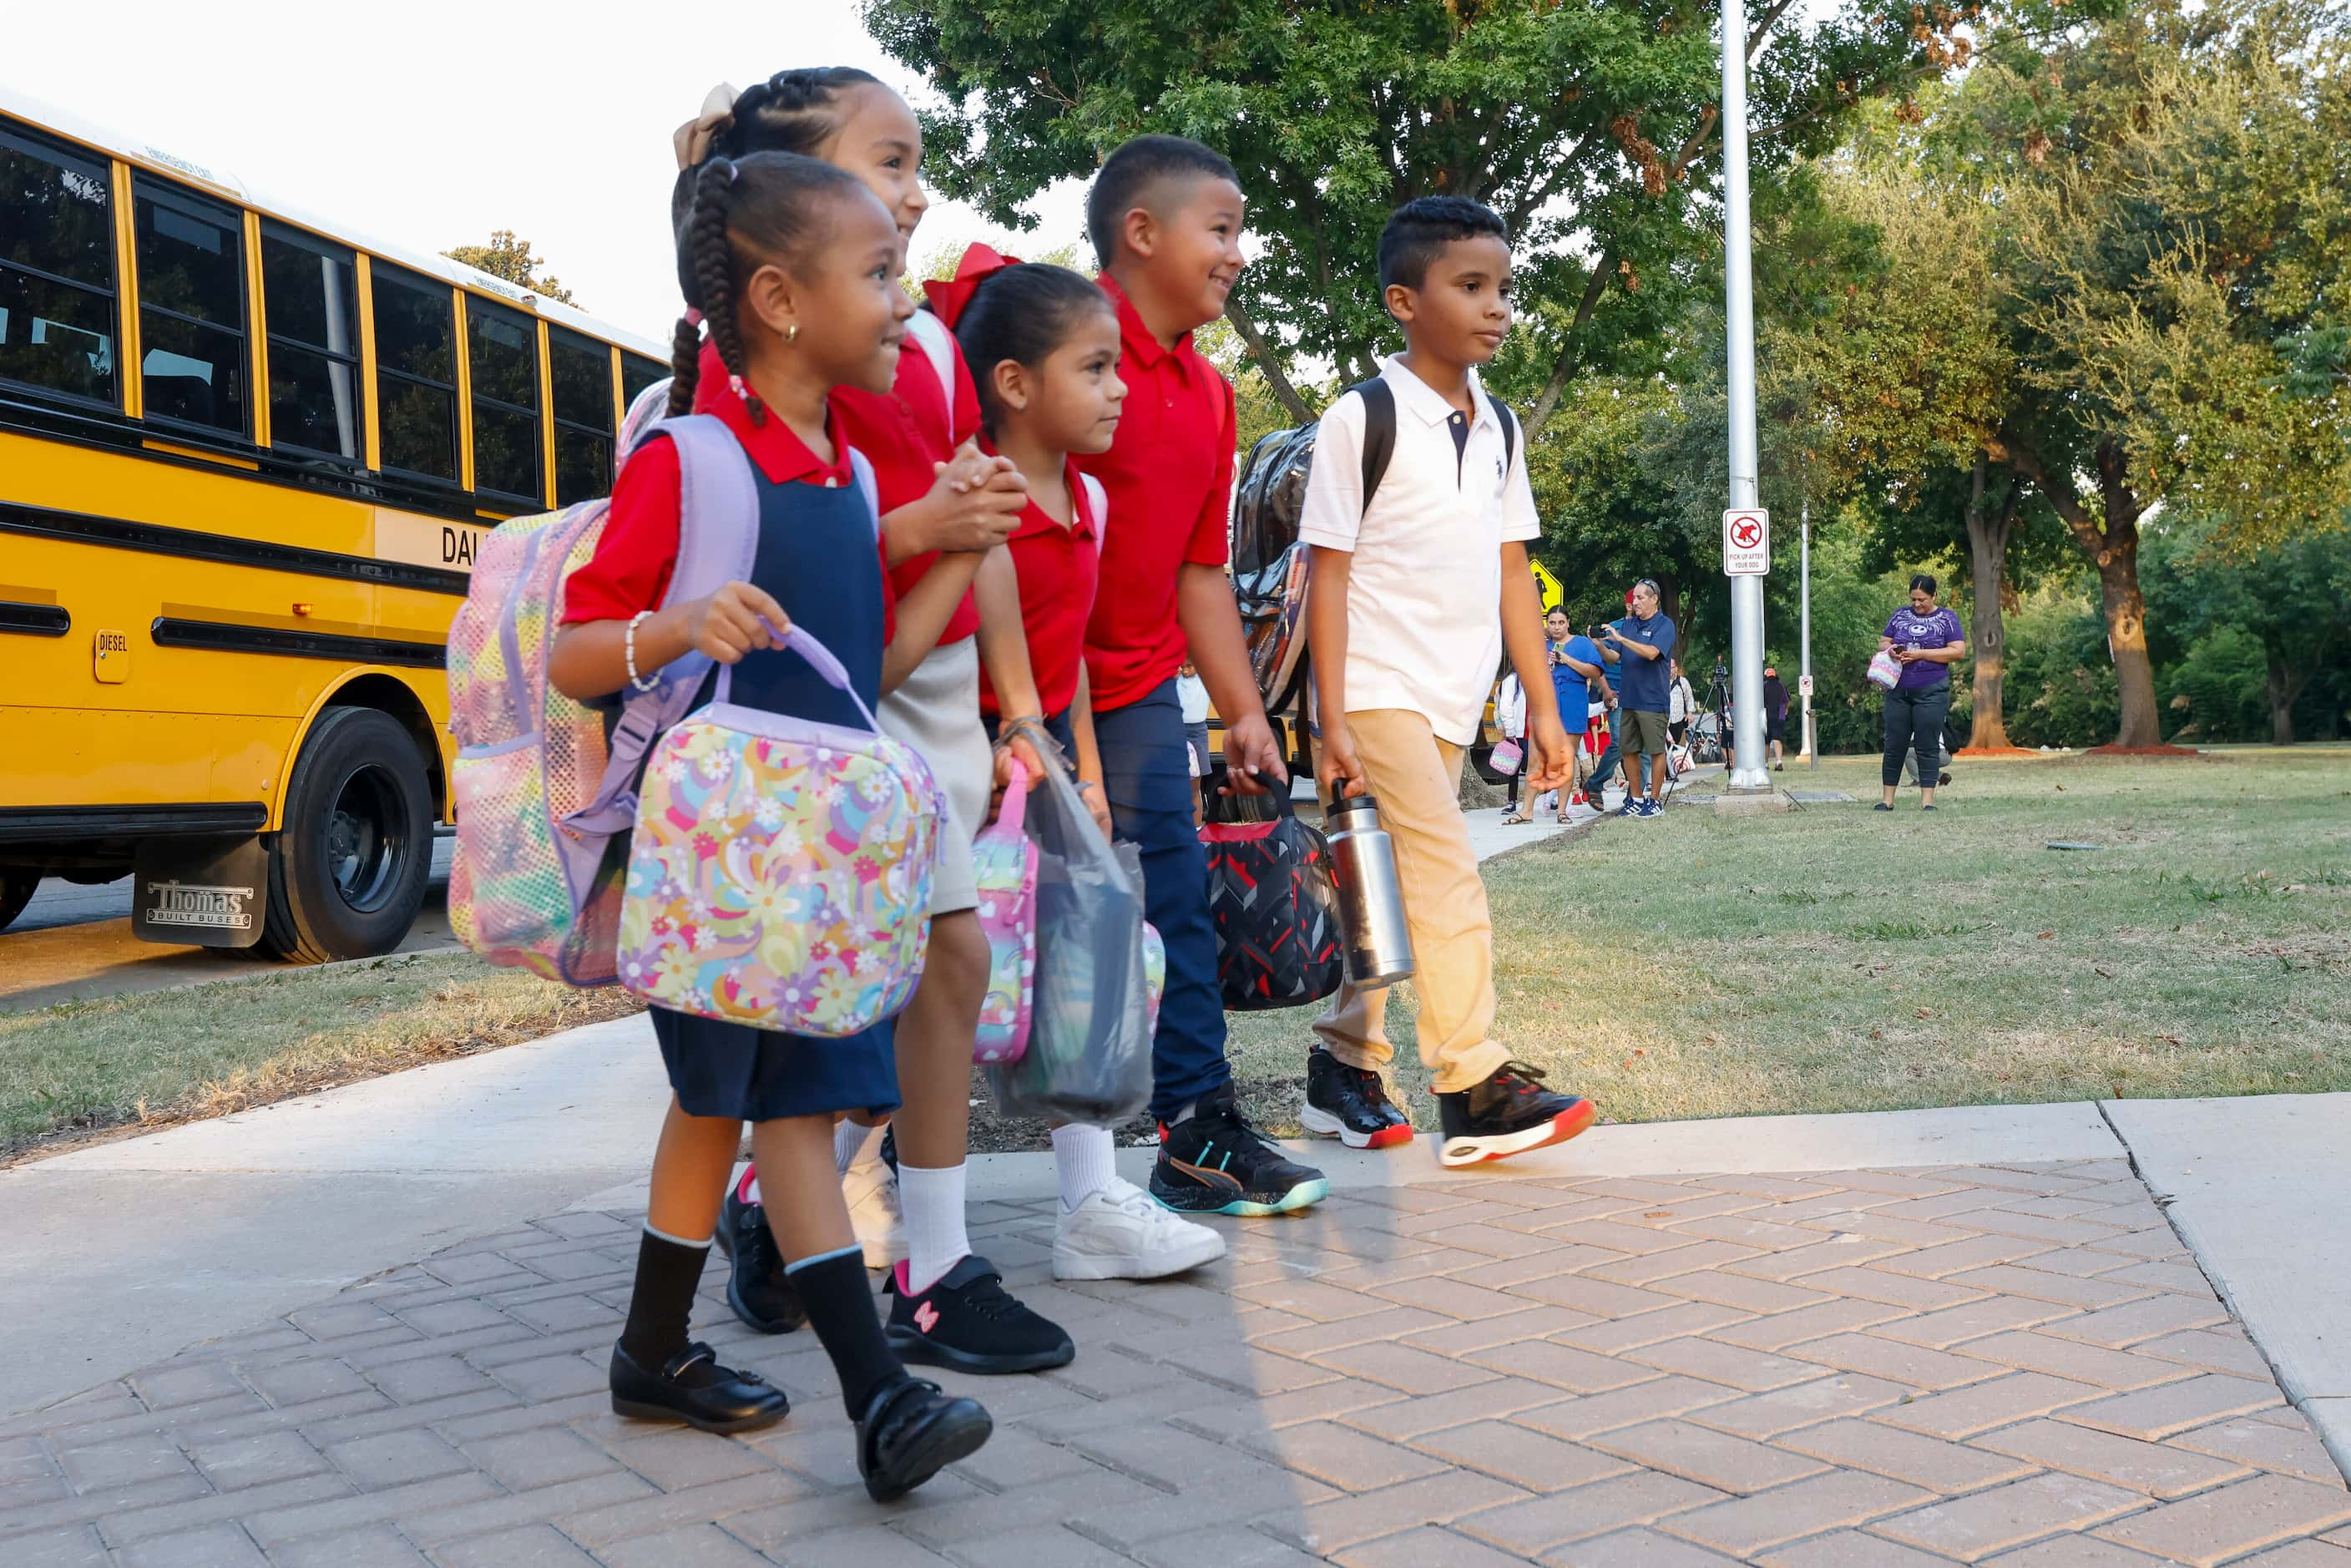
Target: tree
{"points": [[1592, 129], [2293, 601], [508, 258], [2169, 187], [1886, 333]]}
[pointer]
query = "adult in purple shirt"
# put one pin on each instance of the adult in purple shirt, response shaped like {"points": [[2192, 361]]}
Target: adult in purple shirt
{"points": [[1925, 639]]}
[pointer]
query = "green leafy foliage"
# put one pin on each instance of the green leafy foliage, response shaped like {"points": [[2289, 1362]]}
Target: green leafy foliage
{"points": [[508, 258]]}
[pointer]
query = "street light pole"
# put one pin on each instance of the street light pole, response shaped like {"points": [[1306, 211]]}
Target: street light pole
{"points": [[1747, 769], [1805, 594]]}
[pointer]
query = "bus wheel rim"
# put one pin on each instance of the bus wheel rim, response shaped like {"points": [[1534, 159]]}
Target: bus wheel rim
{"points": [[366, 839]]}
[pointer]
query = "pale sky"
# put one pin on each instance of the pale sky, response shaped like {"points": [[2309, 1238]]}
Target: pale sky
{"points": [[427, 123]]}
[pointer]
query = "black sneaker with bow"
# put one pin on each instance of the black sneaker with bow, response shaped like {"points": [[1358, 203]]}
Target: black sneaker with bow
{"points": [[967, 1320], [1214, 1162], [758, 1290], [1351, 1105], [694, 1388], [1507, 1114], [910, 1432]]}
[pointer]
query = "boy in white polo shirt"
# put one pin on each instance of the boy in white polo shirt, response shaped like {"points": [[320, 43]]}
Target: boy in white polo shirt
{"points": [[1415, 592]]}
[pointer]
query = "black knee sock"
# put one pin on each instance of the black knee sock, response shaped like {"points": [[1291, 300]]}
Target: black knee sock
{"points": [[661, 1304], [841, 1308]]}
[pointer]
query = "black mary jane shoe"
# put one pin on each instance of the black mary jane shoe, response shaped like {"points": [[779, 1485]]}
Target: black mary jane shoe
{"points": [[694, 1388], [911, 1431]]}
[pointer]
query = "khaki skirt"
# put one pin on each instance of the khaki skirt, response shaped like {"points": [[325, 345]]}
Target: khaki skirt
{"points": [[936, 712]]}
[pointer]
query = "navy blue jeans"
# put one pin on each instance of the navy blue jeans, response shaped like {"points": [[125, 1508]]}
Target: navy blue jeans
{"points": [[1147, 771]]}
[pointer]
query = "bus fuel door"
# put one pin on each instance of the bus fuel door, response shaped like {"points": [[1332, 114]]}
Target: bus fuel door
{"points": [[110, 657]]}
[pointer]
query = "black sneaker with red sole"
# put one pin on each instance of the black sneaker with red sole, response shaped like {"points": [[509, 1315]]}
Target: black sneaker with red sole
{"points": [[1351, 1105], [1509, 1114]]}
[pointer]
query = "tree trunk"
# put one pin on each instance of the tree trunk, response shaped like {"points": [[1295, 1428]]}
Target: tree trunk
{"points": [[1988, 530], [2283, 689], [2125, 614]]}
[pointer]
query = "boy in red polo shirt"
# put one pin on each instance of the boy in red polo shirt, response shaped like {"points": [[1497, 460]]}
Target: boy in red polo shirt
{"points": [[1164, 215]]}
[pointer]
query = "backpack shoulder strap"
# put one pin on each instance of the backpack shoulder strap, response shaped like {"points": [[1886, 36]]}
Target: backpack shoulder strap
{"points": [[1509, 422], [938, 346], [717, 507], [1097, 507], [1379, 432], [717, 540]]}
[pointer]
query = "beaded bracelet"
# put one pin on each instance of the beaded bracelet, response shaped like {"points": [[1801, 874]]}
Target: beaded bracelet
{"points": [[629, 655]]}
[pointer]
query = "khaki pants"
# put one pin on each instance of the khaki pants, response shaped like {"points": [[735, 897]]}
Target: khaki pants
{"points": [[1417, 779]]}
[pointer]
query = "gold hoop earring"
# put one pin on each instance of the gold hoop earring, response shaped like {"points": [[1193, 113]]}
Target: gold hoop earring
{"points": [[793, 333]]}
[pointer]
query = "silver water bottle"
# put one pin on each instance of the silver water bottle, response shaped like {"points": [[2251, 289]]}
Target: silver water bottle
{"points": [[1371, 901]]}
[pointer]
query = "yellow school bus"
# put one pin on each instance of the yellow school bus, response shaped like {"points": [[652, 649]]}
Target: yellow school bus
{"points": [[245, 460]]}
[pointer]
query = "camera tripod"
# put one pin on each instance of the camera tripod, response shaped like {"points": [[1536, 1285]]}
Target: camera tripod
{"points": [[1715, 702]]}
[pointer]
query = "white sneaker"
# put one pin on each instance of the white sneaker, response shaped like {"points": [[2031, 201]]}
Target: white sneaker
{"points": [[1120, 1233], [870, 1190]]}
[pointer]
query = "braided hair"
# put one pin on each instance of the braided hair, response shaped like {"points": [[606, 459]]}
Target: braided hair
{"points": [[791, 111], [1022, 313], [745, 214]]}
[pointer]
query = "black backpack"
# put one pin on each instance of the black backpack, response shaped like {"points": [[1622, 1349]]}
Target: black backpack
{"points": [[1269, 563]]}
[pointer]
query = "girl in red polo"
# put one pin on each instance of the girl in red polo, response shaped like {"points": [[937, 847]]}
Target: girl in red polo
{"points": [[1043, 345], [938, 492]]}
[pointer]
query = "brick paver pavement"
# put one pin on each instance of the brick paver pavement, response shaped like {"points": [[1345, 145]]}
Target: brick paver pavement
{"points": [[2014, 1365]]}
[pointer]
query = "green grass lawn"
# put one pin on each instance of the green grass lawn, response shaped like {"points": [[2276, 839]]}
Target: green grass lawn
{"points": [[1835, 958], [168, 1056], [1828, 959]]}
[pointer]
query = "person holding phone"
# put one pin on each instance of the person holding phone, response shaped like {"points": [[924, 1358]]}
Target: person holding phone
{"points": [[1926, 641]]}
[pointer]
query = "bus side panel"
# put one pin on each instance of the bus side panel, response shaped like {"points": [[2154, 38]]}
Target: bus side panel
{"points": [[184, 723], [86, 756]]}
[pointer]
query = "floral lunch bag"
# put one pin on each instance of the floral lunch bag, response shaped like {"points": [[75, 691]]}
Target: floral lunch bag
{"points": [[1005, 858], [780, 876]]}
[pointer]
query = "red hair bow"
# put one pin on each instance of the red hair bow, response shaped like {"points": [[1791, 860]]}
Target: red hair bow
{"points": [[980, 263]]}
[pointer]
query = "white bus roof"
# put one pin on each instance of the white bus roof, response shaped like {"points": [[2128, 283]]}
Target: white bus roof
{"points": [[221, 182]]}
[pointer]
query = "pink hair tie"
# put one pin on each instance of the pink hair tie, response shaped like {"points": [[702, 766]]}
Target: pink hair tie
{"points": [[735, 385], [693, 316]]}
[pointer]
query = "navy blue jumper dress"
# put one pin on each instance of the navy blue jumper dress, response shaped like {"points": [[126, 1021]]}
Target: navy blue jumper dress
{"points": [[817, 555]]}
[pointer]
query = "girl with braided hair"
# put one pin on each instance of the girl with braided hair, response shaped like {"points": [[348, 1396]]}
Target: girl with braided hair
{"points": [[793, 266], [944, 502]]}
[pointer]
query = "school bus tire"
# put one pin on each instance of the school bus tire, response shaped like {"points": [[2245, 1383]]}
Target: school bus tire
{"points": [[16, 890], [347, 869]]}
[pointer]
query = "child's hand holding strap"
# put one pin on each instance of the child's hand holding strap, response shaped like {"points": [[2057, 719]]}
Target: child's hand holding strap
{"points": [[732, 621]]}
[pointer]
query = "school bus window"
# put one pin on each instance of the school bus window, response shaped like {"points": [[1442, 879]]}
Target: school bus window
{"points": [[416, 373], [57, 270], [503, 350], [307, 290], [637, 373], [190, 307], [582, 372]]}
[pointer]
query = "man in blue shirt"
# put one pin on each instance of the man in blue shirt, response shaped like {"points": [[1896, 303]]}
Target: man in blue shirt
{"points": [[1639, 650]]}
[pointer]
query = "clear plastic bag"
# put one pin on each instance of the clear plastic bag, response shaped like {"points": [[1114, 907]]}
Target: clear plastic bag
{"points": [[1089, 1056]]}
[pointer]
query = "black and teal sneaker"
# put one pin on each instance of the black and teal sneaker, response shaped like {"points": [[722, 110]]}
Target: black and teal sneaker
{"points": [[1214, 1162]]}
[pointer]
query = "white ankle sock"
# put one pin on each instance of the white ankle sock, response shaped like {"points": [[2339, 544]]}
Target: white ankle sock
{"points": [[1086, 1161], [849, 1141], [936, 1239]]}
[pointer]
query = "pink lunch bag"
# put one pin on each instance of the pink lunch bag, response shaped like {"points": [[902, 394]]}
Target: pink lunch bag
{"points": [[1005, 858]]}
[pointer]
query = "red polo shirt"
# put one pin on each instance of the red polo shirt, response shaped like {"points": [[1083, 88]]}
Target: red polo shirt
{"points": [[1170, 476], [1059, 568], [902, 434], [639, 545]]}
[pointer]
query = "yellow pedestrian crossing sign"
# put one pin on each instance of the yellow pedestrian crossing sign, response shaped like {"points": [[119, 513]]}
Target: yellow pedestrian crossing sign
{"points": [[1553, 595]]}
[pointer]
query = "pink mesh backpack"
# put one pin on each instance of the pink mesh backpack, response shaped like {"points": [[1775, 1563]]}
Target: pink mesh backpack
{"points": [[539, 792]]}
